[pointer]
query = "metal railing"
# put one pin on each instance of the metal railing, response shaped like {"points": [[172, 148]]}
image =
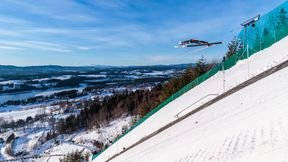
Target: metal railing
{"points": [[177, 115]]}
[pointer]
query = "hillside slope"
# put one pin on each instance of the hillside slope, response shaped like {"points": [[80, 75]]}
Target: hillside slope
{"points": [[249, 125], [259, 62]]}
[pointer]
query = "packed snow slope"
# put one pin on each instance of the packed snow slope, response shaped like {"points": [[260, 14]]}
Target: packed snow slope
{"points": [[250, 100], [250, 125]]}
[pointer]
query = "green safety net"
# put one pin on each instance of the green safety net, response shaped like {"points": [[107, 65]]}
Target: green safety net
{"points": [[269, 29]]}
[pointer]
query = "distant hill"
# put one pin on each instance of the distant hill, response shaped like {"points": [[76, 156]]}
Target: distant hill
{"points": [[31, 70], [10, 70]]}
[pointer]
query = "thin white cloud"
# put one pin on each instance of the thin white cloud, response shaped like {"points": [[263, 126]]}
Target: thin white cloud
{"points": [[84, 48], [9, 32], [5, 47], [111, 4], [76, 18], [64, 10], [13, 20], [36, 45]]}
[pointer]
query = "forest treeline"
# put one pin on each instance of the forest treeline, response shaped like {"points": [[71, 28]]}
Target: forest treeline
{"points": [[137, 103]]}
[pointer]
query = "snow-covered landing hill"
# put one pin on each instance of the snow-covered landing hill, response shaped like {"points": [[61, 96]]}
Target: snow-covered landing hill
{"points": [[223, 124], [250, 125]]}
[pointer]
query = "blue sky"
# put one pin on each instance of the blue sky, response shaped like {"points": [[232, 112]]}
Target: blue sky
{"points": [[118, 32]]}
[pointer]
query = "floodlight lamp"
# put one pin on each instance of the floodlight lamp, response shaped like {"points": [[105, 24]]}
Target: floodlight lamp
{"points": [[251, 21]]}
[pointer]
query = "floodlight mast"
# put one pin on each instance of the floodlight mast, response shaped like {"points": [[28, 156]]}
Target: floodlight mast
{"points": [[250, 22]]}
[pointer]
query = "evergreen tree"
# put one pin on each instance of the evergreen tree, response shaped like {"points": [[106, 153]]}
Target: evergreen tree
{"points": [[267, 37], [233, 47], [61, 126], [201, 66], [75, 156], [282, 18], [266, 32]]}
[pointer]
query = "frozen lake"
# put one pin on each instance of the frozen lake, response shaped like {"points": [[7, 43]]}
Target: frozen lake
{"points": [[28, 94]]}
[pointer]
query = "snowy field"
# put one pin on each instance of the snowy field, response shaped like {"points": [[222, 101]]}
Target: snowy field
{"points": [[21, 114], [259, 62]]}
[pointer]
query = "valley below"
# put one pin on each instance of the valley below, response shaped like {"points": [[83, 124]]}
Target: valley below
{"points": [[32, 104]]}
